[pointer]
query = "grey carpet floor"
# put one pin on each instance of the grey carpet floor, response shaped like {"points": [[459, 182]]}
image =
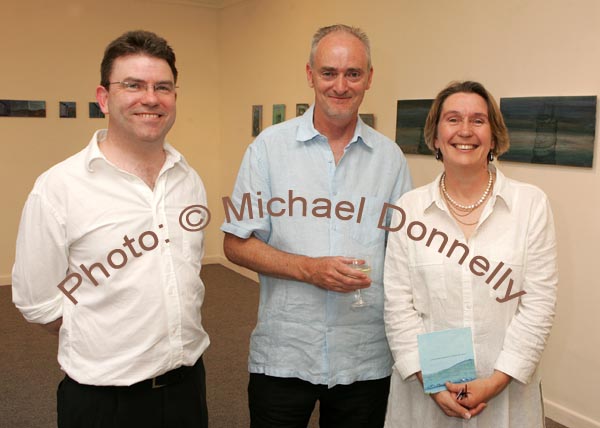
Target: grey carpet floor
{"points": [[29, 372]]}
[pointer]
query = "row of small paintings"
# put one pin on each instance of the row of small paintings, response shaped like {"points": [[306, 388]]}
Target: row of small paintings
{"points": [[29, 108], [545, 130], [279, 116]]}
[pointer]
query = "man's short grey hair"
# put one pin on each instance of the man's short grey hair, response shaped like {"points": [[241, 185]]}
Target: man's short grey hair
{"points": [[355, 31]]}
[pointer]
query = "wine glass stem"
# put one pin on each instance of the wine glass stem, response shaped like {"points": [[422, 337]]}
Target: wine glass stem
{"points": [[358, 296]]}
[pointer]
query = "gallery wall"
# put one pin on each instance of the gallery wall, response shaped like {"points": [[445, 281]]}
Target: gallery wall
{"points": [[254, 52], [52, 52], [516, 48]]}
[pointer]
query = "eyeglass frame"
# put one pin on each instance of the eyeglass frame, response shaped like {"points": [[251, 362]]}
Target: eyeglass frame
{"points": [[127, 86]]}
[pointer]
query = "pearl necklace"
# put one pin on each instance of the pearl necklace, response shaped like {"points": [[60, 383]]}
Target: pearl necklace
{"points": [[467, 207]]}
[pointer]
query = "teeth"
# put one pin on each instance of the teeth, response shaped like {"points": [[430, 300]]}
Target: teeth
{"points": [[465, 146], [147, 115]]}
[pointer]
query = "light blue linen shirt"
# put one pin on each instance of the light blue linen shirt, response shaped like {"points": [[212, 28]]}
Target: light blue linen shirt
{"points": [[304, 331]]}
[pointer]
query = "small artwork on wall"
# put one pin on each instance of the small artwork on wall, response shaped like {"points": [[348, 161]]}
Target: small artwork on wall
{"points": [[95, 112], [550, 130], [256, 120], [368, 118], [67, 109], [22, 108], [301, 109], [278, 113], [410, 126]]}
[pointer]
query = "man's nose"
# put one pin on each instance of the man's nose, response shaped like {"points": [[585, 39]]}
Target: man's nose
{"points": [[340, 85], [150, 96]]}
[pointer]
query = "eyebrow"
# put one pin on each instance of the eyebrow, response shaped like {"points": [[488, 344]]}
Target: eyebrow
{"points": [[351, 69], [135, 79], [459, 113]]}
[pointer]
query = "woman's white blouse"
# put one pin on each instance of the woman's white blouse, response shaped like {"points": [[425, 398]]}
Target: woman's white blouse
{"points": [[501, 282]]}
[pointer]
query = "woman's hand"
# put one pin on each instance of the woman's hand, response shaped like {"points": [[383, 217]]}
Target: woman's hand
{"points": [[447, 401], [479, 391]]}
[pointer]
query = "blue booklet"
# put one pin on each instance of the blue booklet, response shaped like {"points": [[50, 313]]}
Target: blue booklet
{"points": [[446, 356]]}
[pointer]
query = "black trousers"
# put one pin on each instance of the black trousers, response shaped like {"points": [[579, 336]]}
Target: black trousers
{"points": [[180, 403], [288, 403]]}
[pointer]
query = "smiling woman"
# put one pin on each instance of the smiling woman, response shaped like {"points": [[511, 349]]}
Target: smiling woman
{"points": [[425, 290]]}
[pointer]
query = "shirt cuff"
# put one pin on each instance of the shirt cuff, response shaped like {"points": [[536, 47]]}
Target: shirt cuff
{"points": [[408, 365], [516, 367], [236, 230], [43, 313]]}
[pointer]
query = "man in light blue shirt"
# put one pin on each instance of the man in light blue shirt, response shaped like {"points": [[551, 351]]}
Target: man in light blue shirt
{"points": [[307, 202]]}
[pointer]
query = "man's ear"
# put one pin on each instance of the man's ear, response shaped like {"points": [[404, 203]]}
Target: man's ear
{"points": [[370, 78], [102, 98], [309, 75]]}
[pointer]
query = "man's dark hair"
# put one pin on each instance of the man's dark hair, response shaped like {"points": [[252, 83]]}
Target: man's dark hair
{"points": [[136, 43]]}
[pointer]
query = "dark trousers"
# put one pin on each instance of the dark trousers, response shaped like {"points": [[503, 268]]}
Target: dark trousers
{"points": [[181, 403], [288, 403]]}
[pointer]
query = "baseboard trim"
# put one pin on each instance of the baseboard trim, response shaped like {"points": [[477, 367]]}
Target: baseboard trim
{"points": [[221, 260], [5, 280], [568, 417]]}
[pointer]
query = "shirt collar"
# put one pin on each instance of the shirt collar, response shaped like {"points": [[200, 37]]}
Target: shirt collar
{"points": [[94, 153], [307, 131], [501, 192]]}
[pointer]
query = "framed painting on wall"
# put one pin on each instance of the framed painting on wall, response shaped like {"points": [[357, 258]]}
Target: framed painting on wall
{"points": [[67, 109], [368, 118], [256, 120], [410, 125], [95, 111], [301, 109], [551, 130], [22, 108], [278, 113]]}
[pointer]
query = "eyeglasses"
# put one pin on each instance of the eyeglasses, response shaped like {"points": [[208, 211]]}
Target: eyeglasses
{"points": [[164, 88]]}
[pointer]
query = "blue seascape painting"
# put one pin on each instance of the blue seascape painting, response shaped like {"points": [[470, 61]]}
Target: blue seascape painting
{"points": [[410, 124], [446, 356], [551, 130]]}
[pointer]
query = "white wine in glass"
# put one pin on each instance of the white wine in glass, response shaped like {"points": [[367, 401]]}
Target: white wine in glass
{"points": [[361, 265]]}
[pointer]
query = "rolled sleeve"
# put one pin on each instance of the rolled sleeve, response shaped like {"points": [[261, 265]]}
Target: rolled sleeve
{"points": [[40, 262], [402, 322], [244, 215], [528, 331]]}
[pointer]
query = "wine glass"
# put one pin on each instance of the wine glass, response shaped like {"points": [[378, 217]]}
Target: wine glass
{"points": [[361, 265]]}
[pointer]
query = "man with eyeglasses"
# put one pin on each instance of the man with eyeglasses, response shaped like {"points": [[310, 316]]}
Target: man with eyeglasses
{"points": [[325, 176], [103, 261]]}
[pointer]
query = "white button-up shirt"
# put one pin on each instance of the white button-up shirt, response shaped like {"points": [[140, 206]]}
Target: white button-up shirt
{"points": [[131, 291], [479, 285]]}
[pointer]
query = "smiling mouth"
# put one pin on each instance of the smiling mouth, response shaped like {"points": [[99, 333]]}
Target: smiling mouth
{"points": [[149, 115], [465, 146]]}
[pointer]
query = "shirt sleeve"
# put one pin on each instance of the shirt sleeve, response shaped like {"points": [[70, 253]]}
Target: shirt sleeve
{"points": [[402, 321], [41, 262], [528, 331], [403, 184], [244, 214]]}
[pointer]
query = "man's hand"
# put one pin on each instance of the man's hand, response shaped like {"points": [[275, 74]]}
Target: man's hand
{"points": [[334, 273], [330, 273]]}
